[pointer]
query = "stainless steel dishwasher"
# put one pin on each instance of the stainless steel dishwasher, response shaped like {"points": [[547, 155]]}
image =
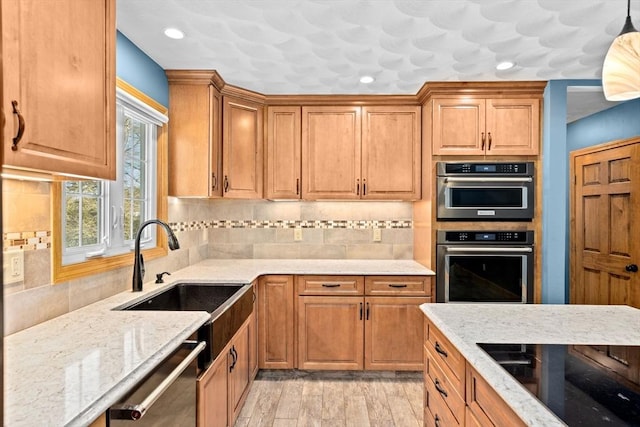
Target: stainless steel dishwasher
{"points": [[167, 396]]}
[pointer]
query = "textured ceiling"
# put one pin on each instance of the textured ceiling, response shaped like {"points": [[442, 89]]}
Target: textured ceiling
{"points": [[324, 46]]}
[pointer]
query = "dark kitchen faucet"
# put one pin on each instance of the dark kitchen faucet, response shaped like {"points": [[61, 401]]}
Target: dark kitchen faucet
{"points": [[138, 261]]}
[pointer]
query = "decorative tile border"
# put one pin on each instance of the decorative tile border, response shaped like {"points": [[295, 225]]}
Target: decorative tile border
{"points": [[317, 224], [26, 240]]}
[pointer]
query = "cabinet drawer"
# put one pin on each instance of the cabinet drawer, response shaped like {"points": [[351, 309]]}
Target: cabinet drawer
{"points": [[487, 406], [451, 390], [398, 285], [449, 358], [330, 285], [437, 413]]}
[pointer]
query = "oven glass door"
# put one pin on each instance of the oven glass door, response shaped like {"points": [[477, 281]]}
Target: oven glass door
{"points": [[474, 197], [478, 276]]}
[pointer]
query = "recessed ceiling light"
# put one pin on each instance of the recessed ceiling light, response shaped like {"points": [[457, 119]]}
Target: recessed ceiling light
{"points": [[366, 79], [505, 65], [174, 33]]}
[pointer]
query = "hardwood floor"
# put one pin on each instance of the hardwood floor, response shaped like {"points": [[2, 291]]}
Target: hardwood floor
{"points": [[334, 399]]}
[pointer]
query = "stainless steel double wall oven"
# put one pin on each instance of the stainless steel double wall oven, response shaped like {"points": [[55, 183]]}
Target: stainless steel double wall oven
{"points": [[476, 265]]}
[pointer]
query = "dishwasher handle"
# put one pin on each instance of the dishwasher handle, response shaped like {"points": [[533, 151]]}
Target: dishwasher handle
{"points": [[134, 412]]}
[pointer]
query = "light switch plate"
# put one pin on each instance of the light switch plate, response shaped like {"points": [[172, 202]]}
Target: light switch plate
{"points": [[377, 235], [297, 234], [13, 266]]}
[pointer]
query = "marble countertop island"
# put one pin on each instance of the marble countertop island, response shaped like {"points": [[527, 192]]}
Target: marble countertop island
{"points": [[465, 325], [69, 370]]}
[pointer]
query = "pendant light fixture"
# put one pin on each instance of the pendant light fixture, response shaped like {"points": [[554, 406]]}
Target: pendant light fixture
{"points": [[621, 68]]}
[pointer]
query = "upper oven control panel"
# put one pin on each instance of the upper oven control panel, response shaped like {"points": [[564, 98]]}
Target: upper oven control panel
{"points": [[492, 237], [502, 168]]}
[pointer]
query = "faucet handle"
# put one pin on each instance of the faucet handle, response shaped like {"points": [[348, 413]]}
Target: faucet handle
{"points": [[159, 276]]}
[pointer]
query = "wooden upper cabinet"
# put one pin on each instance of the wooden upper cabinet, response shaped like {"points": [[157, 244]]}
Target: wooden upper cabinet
{"points": [[242, 149], [361, 152], [59, 81], [195, 157], [331, 152], [283, 153], [486, 126], [391, 152]]}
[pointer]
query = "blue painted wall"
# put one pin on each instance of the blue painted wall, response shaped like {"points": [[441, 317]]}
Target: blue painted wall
{"points": [[139, 70], [622, 121]]}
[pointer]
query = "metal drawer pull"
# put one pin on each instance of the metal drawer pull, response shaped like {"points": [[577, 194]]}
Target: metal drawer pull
{"points": [[331, 285], [441, 390], [135, 412], [18, 137], [440, 350], [489, 249], [487, 179], [360, 311], [436, 420], [399, 285]]}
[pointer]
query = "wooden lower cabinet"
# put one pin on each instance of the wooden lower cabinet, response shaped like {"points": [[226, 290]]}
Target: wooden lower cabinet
{"points": [[455, 394], [391, 330], [330, 332], [223, 387], [276, 322]]}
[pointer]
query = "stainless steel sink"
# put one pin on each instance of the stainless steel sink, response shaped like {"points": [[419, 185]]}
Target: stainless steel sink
{"points": [[229, 305]]}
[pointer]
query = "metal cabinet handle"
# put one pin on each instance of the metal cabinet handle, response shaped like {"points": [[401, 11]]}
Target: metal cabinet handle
{"points": [[233, 358], [441, 390], [18, 137], [440, 350], [436, 421], [331, 285], [489, 148], [214, 182], [297, 186], [398, 285], [631, 268], [135, 412], [364, 187], [367, 311], [357, 187], [226, 184], [360, 311], [483, 141]]}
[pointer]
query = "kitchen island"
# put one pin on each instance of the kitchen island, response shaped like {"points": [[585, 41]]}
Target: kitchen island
{"points": [[466, 325], [71, 369]]}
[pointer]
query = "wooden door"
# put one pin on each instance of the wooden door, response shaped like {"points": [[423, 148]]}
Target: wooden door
{"points": [[194, 138], [242, 149], [239, 371], [212, 401], [394, 333], [276, 322], [59, 68], [330, 332], [512, 127], [458, 126], [331, 138], [282, 175], [391, 146], [605, 206]]}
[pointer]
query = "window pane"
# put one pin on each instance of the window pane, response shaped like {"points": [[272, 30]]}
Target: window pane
{"points": [[91, 187], [72, 187], [90, 223], [72, 222]]}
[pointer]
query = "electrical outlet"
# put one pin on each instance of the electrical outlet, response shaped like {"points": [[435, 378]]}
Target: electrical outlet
{"points": [[13, 266], [297, 234], [377, 235]]}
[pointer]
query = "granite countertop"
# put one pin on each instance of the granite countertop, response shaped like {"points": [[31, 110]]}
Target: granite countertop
{"points": [[69, 370], [465, 325]]}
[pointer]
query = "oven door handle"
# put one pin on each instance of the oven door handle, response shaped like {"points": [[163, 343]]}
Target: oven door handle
{"points": [[476, 249], [487, 179], [133, 412]]}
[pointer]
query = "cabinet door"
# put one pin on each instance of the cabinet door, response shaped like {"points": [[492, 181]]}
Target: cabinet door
{"points": [[391, 142], [282, 177], [331, 153], [212, 393], [276, 313], [330, 333], [59, 69], [238, 371], [458, 126], [513, 127], [394, 333], [194, 140], [242, 149]]}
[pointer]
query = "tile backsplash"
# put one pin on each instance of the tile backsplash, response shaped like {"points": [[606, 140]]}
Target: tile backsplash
{"points": [[206, 229]]}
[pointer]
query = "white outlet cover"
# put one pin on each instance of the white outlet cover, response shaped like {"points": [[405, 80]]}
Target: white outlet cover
{"points": [[13, 266]]}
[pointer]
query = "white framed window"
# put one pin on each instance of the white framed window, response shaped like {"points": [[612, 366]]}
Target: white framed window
{"points": [[101, 218]]}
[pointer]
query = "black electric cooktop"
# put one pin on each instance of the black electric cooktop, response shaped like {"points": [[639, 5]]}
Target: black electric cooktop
{"points": [[573, 382]]}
